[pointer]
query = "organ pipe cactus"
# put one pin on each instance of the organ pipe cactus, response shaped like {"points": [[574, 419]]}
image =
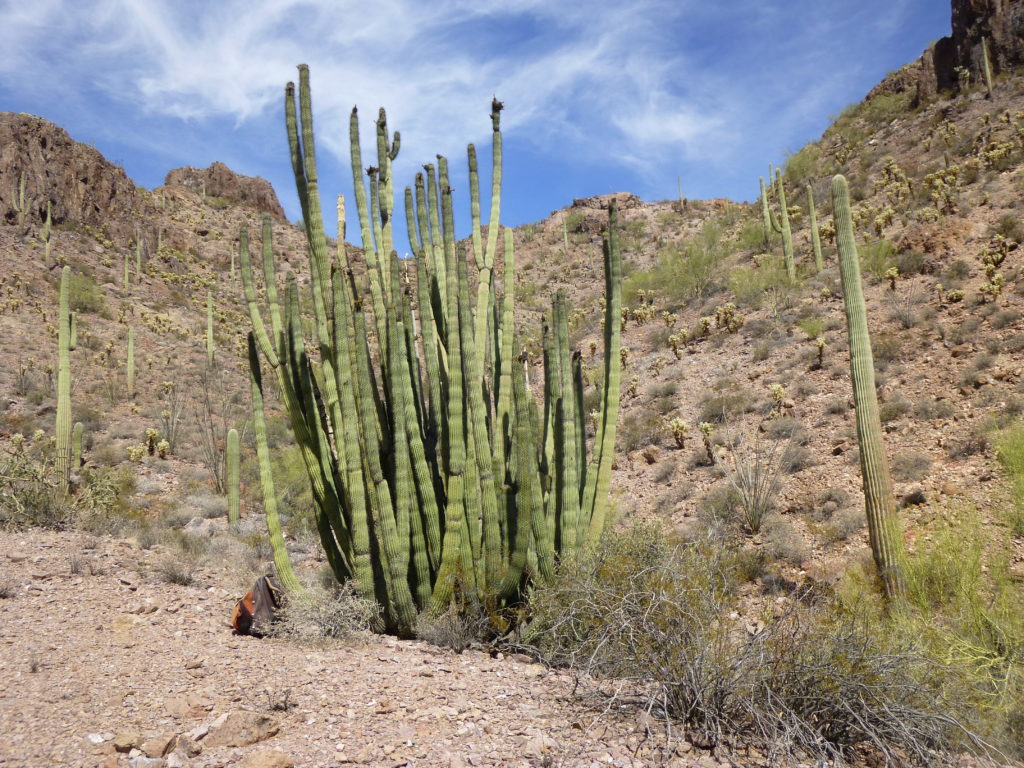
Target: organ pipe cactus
{"points": [[819, 262], [65, 343], [232, 462], [884, 529], [782, 226], [424, 449]]}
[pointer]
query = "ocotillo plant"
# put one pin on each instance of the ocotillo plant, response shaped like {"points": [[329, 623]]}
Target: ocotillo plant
{"points": [[426, 459], [819, 262], [76, 445], [231, 471], [65, 343], [783, 227], [209, 329], [884, 529], [130, 364]]}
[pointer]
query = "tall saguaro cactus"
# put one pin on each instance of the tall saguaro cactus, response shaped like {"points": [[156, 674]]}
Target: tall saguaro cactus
{"points": [[782, 226], [65, 343], [422, 445], [766, 214], [819, 262], [231, 472], [884, 528]]}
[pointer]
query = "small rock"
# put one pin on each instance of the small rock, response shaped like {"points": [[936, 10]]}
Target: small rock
{"points": [[147, 762], [17, 557], [95, 738], [186, 746], [240, 728], [158, 746], [176, 760], [126, 741], [915, 497], [267, 758]]}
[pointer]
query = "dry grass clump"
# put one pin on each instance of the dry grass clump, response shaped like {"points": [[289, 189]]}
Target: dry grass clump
{"points": [[815, 683], [326, 613]]}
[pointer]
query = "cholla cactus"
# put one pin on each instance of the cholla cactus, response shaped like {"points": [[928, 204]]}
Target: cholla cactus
{"points": [[657, 365], [726, 317], [954, 296], [778, 394], [624, 356], [593, 349], [151, 440], [677, 341], [705, 326], [820, 344], [135, 453], [680, 430], [894, 182], [669, 318], [633, 384], [705, 434], [162, 449], [892, 274]]}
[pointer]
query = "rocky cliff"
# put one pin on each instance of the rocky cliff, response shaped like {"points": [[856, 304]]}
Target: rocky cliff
{"points": [[220, 181]]}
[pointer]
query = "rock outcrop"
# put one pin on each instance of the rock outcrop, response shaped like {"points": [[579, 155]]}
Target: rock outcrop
{"points": [[220, 181], [81, 185], [1000, 22]]}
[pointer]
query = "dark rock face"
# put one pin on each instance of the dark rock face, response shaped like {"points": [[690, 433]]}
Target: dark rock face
{"points": [[220, 181], [81, 186], [1000, 22]]}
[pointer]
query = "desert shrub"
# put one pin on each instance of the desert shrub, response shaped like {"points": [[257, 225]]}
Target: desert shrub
{"points": [[974, 443], [1009, 226], [893, 409], [460, 625], [84, 294], [787, 428], [756, 479], [837, 406], [802, 165], [782, 541], [751, 236], [911, 263], [639, 427], [876, 257], [751, 284], [815, 682], [932, 408], [172, 569], [325, 612], [726, 403], [813, 327], [31, 494], [1010, 451], [909, 466], [682, 273], [844, 523], [957, 271], [1004, 319]]}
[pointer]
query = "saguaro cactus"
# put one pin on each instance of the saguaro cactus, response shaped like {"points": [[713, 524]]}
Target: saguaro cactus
{"points": [[819, 262], [65, 343], [130, 364], [782, 226], [766, 214], [986, 66], [884, 528], [232, 477]]}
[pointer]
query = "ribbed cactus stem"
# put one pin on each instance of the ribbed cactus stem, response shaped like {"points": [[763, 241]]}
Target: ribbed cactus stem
{"points": [[765, 214], [819, 262], [986, 65], [884, 528], [130, 364], [232, 461], [281, 560], [65, 343], [787, 233]]}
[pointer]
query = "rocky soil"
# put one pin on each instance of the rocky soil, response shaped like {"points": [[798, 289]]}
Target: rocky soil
{"points": [[102, 665]]}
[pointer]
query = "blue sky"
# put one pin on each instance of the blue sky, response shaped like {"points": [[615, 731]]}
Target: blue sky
{"points": [[600, 96]]}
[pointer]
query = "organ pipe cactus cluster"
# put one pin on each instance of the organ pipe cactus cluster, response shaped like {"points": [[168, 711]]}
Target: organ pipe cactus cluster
{"points": [[65, 343], [884, 528], [232, 462], [433, 471]]}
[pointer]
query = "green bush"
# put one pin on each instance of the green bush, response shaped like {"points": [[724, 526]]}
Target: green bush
{"points": [[802, 165], [682, 273], [84, 294], [876, 257], [1010, 451], [749, 284]]}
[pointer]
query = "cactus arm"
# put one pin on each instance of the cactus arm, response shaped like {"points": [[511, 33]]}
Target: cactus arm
{"points": [[884, 529], [259, 329], [765, 213], [270, 281], [787, 234], [281, 560], [130, 364], [597, 507]]}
